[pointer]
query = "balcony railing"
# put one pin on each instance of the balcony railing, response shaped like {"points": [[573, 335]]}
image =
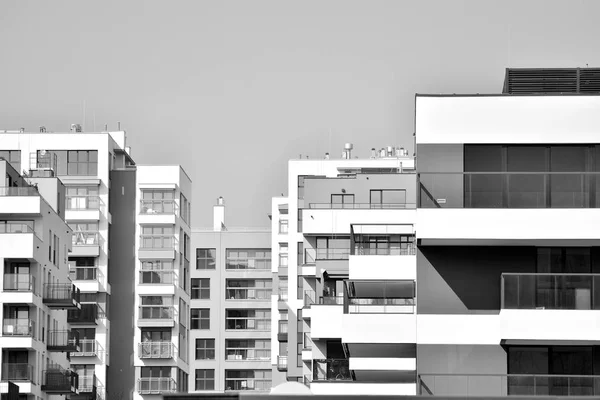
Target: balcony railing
{"points": [[16, 227], [283, 294], [19, 283], [331, 300], [65, 340], [256, 263], [283, 327], [18, 327], [89, 238], [157, 277], [361, 206], [248, 293], [551, 291], [87, 384], [81, 273], [19, 191], [158, 207], [282, 362], [156, 350], [381, 306], [509, 190], [247, 384], [61, 295], [88, 314], [409, 250], [331, 370], [156, 312], [309, 297], [83, 202], [332, 254], [156, 385], [508, 385], [87, 348], [157, 242], [247, 354], [18, 372], [248, 323], [59, 381]]}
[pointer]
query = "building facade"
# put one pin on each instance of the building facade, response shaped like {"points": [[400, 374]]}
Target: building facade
{"points": [[230, 326], [346, 254]]}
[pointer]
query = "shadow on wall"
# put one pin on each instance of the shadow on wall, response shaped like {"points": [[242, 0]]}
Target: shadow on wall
{"points": [[466, 280]]}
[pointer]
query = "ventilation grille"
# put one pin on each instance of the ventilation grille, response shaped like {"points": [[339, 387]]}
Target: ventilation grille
{"points": [[556, 80]]}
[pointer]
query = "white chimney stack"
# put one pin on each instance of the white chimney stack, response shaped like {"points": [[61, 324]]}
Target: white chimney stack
{"points": [[219, 215]]}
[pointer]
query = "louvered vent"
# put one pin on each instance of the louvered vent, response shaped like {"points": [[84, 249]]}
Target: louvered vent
{"points": [[555, 80]]}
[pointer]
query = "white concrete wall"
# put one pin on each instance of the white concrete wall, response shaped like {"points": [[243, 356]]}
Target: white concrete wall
{"points": [[383, 267], [555, 325], [366, 389], [378, 328], [328, 221], [507, 119], [327, 321], [383, 364], [458, 329]]}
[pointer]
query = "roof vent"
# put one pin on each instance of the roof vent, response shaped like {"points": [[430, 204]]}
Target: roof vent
{"points": [[76, 128], [42, 129]]}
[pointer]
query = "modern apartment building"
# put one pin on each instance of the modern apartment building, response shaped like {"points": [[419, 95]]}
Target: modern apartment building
{"points": [[230, 326], [36, 292], [345, 244], [508, 258]]}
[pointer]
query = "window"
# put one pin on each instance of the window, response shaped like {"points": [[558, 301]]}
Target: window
{"points": [[200, 288], [205, 379], [157, 202], [13, 157], [82, 198], [248, 289], [283, 255], [85, 233], [157, 237], [342, 201], [247, 379], [82, 268], [332, 249], [384, 245], [82, 162], [184, 206], [248, 319], [156, 334], [206, 258], [156, 307], [283, 226], [205, 349], [155, 372], [247, 349], [385, 198], [248, 259], [200, 318]]}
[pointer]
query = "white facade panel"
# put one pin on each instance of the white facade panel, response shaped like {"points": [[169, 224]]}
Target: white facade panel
{"points": [[383, 364], [328, 221], [379, 328], [366, 389], [383, 267], [458, 329], [20, 205], [326, 321], [18, 245], [555, 325]]}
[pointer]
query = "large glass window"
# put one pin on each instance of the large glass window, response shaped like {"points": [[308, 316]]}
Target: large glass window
{"points": [[333, 248], [205, 349], [248, 259], [200, 318], [157, 202], [13, 157], [205, 258], [200, 288], [82, 162], [82, 198], [259, 320], [247, 379], [205, 379], [248, 289], [248, 349], [82, 268], [157, 237], [85, 233]]}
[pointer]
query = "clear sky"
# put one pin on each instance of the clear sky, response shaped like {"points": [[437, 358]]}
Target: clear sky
{"points": [[233, 89]]}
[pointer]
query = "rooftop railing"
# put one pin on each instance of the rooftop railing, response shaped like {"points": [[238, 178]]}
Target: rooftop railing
{"points": [[362, 206]]}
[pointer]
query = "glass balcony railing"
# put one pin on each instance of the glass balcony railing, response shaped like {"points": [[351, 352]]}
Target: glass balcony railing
{"points": [[63, 340], [83, 202], [80, 238], [509, 190], [406, 249], [87, 384], [249, 323], [332, 254], [331, 370], [492, 386], [156, 385], [247, 354], [158, 242], [156, 350], [156, 312], [381, 306], [18, 372], [245, 263], [239, 384], [248, 293], [87, 348], [282, 362], [158, 207], [18, 191], [16, 227], [361, 206], [18, 327], [157, 277], [331, 300], [19, 283], [550, 291]]}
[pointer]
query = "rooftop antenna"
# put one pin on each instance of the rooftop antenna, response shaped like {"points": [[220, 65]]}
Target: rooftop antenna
{"points": [[119, 126]]}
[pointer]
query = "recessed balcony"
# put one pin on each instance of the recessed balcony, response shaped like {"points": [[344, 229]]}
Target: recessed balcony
{"points": [[156, 385], [83, 207], [156, 316], [158, 212], [282, 362], [156, 350], [86, 244], [65, 340], [62, 296], [331, 370], [21, 372], [19, 283], [89, 314], [60, 381], [87, 384], [157, 277], [158, 246], [87, 348], [282, 332]]}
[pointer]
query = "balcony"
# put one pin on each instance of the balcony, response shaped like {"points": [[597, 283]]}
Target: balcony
{"points": [[247, 354], [86, 244], [157, 277], [63, 341], [242, 384], [17, 238], [235, 293], [508, 385], [282, 362], [157, 247], [83, 273], [156, 316], [153, 207], [19, 283], [87, 384], [60, 381], [89, 314], [21, 372], [87, 348], [82, 208], [20, 200], [282, 331], [283, 294], [247, 323], [331, 370], [328, 221], [61, 296], [23, 327], [156, 385], [156, 350]]}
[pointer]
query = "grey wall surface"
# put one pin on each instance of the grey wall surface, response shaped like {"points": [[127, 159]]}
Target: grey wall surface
{"points": [[319, 190], [466, 280], [121, 269], [446, 188]]}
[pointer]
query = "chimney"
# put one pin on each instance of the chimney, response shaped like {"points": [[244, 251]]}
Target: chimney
{"points": [[219, 215]]}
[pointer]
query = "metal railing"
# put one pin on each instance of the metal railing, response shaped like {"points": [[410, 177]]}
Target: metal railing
{"points": [[247, 354], [88, 314], [18, 372], [381, 306], [83, 202], [156, 312], [83, 273], [16, 227], [282, 362], [18, 327], [87, 347], [157, 277], [248, 323], [87, 383], [507, 385], [331, 370], [62, 339], [158, 207], [61, 293], [332, 254], [86, 238], [19, 191], [156, 385], [158, 242], [550, 291], [409, 250], [331, 300], [508, 190], [247, 384], [156, 349], [19, 283], [234, 293], [362, 206]]}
